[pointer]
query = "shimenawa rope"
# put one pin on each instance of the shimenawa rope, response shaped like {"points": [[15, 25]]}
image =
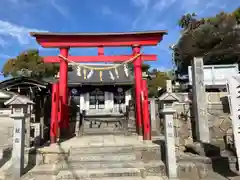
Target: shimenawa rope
{"points": [[100, 68]]}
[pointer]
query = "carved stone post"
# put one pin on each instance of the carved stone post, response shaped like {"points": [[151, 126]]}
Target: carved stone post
{"points": [[153, 114], [234, 94], [166, 103], [19, 105], [199, 101], [171, 159]]}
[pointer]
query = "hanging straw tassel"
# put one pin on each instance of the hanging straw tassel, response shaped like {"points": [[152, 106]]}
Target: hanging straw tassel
{"points": [[100, 75], [90, 74], [111, 75], [125, 69], [84, 73], [79, 71], [116, 72]]}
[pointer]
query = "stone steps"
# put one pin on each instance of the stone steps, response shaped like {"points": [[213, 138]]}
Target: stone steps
{"points": [[82, 170], [103, 157], [52, 172], [99, 173], [37, 173], [103, 178], [103, 130], [100, 158], [109, 164], [101, 149]]}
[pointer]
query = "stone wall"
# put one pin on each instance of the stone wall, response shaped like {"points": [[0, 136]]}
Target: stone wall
{"points": [[6, 132], [218, 116]]}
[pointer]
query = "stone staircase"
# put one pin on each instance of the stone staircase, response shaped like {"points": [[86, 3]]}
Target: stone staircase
{"points": [[108, 157], [105, 125], [101, 162]]}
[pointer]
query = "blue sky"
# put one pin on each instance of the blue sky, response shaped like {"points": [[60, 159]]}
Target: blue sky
{"points": [[19, 17]]}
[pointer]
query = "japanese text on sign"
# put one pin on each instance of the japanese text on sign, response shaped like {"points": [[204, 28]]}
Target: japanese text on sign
{"points": [[17, 130], [170, 125]]}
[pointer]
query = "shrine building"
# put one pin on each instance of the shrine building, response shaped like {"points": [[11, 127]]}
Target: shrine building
{"points": [[104, 93]]}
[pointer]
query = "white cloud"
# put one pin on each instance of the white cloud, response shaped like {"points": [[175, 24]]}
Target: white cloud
{"points": [[150, 19], [5, 56], [38, 4], [62, 10], [141, 3], [17, 32], [13, 1], [201, 6], [3, 43], [163, 4], [114, 14], [106, 10], [163, 68]]}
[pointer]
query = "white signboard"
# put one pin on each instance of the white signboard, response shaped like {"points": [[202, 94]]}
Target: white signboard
{"points": [[216, 74]]}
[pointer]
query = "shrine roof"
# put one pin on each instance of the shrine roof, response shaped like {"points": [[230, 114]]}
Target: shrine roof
{"points": [[34, 34], [94, 79], [18, 81]]}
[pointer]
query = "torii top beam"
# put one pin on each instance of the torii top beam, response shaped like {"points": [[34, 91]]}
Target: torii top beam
{"points": [[58, 40]]}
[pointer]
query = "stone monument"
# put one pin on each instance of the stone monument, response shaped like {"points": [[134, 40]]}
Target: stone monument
{"points": [[166, 104], [234, 102], [199, 101], [153, 114], [19, 106]]}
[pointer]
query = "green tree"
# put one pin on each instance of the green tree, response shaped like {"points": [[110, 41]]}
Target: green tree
{"points": [[145, 67], [159, 81], [29, 63], [216, 39]]}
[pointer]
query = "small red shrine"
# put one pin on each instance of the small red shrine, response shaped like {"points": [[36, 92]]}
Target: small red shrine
{"points": [[65, 41]]}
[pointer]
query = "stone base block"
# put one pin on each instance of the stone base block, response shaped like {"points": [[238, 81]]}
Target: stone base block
{"points": [[147, 154], [155, 168]]}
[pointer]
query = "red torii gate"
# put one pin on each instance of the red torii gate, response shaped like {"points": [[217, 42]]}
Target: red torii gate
{"points": [[65, 41]]}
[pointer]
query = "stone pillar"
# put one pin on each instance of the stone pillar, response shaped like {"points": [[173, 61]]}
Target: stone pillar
{"points": [[37, 137], [199, 101], [20, 111], [171, 161], [234, 92], [153, 114], [18, 145], [27, 129]]}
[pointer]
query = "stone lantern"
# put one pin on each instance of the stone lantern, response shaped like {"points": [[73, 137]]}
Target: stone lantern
{"points": [[167, 100], [166, 104], [19, 105], [20, 110]]}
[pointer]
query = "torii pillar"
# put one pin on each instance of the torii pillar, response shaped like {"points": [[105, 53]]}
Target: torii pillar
{"points": [[63, 92], [138, 89], [65, 41]]}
